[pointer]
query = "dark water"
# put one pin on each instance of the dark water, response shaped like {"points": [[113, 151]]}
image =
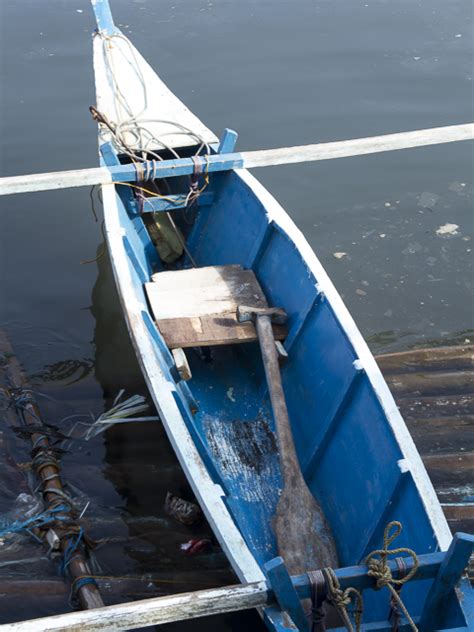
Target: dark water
{"points": [[280, 73]]}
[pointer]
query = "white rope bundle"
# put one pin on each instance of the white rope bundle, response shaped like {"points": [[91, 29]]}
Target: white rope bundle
{"points": [[132, 129]]}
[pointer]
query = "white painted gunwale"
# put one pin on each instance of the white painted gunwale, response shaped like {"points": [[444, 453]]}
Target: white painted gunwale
{"points": [[208, 494], [411, 458]]}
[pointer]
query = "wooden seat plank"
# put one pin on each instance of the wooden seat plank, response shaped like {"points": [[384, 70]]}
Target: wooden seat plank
{"points": [[197, 307]]}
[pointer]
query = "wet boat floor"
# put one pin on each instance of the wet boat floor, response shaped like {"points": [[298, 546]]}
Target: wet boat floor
{"points": [[125, 474]]}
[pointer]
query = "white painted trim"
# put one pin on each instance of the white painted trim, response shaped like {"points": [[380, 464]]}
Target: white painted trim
{"points": [[209, 494], [357, 146], [277, 214]]}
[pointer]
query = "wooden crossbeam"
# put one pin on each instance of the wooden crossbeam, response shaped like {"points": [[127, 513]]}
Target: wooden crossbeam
{"points": [[191, 605], [228, 161]]}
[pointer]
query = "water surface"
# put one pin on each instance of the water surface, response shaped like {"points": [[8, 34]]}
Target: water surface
{"points": [[280, 73]]}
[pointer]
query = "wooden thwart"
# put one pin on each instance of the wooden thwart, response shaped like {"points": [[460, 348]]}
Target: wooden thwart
{"points": [[197, 307]]}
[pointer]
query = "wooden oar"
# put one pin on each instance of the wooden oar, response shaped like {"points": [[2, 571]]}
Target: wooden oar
{"points": [[303, 535], [246, 160]]}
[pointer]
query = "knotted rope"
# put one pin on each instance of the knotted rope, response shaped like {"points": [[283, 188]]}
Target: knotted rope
{"points": [[379, 569], [342, 599]]}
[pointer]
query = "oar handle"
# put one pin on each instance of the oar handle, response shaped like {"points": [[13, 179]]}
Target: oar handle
{"points": [[286, 444]]}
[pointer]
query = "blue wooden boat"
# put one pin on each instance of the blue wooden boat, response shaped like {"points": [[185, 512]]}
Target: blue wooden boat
{"points": [[165, 238]]}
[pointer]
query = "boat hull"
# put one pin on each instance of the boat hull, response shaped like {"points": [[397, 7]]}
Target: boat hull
{"points": [[355, 451]]}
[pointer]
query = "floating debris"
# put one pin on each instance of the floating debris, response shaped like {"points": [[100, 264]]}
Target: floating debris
{"points": [[412, 248], [184, 511], [339, 255], [457, 187], [230, 394], [448, 229], [428, 200], [121, 412], [196, 545], [360, 292]]}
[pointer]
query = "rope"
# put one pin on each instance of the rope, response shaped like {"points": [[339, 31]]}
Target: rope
{"points": [[379, 569], [41, 521], [344, 598], [131, 133], [70, 550], [82, 580]]}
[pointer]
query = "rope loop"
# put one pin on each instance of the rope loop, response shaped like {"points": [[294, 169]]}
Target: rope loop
{"points": [[379, 569], [342, 599]]}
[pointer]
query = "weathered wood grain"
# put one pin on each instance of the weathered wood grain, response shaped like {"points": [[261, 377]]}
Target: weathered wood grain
{"points": [[434, 389], [432, 359], [430, 383], [197, 307]]}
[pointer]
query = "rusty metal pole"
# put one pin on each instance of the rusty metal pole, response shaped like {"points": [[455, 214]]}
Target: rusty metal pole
{"points": [[49, 473]]}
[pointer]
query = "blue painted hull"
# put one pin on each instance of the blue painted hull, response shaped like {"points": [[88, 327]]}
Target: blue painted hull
{"points": [[354, 449]]}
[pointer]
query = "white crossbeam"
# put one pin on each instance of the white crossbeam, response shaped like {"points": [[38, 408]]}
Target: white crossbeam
{"points": [[248, 160]]}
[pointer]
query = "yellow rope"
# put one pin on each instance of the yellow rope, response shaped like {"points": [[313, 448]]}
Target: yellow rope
{"points": [[151, 193], [343, 598], [379, 569]]}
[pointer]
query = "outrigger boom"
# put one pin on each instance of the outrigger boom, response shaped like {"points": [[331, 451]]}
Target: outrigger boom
{"points": [[445, 568], [224, 161]]}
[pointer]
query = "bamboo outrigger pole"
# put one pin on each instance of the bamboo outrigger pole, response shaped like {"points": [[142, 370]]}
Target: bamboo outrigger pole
{"points": [[47, 470], [243, 160]]}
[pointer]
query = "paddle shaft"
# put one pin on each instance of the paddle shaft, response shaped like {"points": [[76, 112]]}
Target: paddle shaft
{"points": [[288, 459]]}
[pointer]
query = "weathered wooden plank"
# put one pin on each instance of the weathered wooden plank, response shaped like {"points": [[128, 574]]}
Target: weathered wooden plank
{"points": [[438, 358], [210, 330], [449, 469], [459, 511], [443, 434], [434, 391], [429, 383], [202, 291], [197, 307], [247, 160], [436, 406], [182, 364], [456, 493]]}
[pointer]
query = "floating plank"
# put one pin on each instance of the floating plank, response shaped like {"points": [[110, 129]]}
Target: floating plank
{"points": [[443, 434], [246, 160], [434, 391], [431, 383], [437, 358], [197, 307]]}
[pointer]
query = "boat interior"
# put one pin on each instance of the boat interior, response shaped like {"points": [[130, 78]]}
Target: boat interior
{"points": [[346, 446]]}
